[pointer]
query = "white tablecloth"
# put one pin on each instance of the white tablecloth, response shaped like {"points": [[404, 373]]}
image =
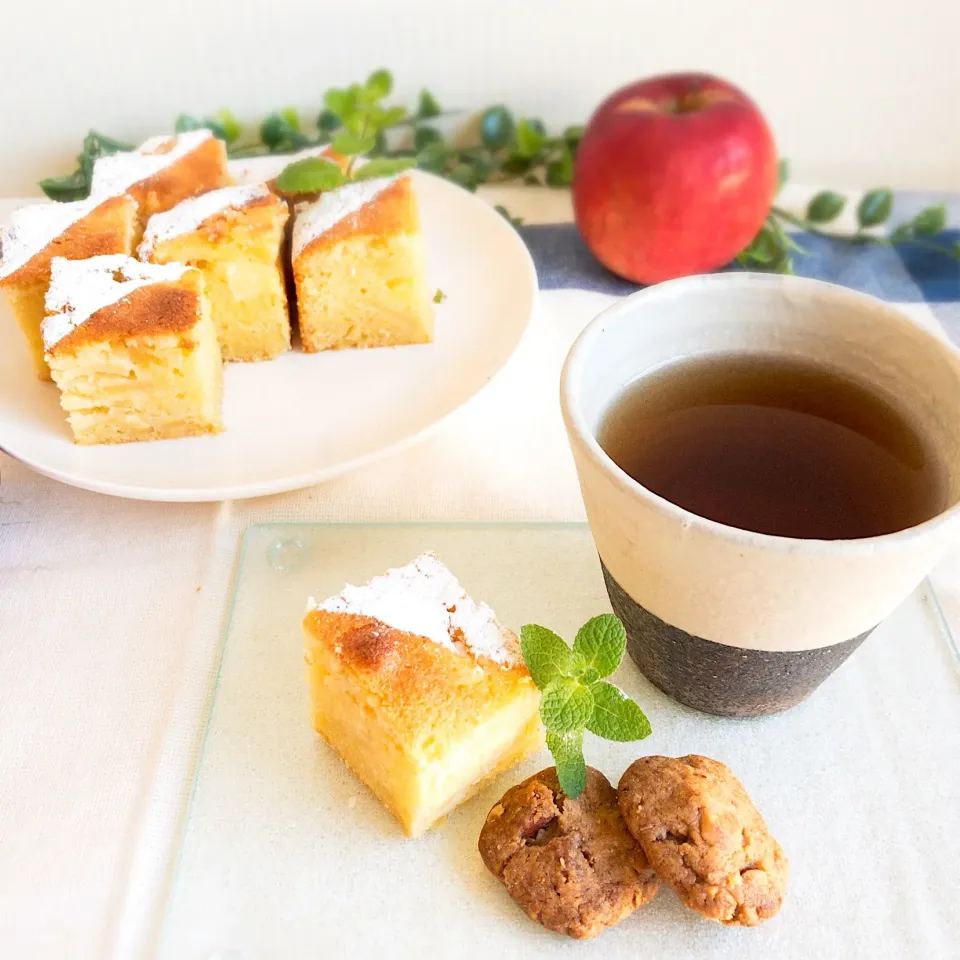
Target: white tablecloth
{"points": [[110, 615]]}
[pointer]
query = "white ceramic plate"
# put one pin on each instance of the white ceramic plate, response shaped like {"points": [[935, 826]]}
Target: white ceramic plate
{"points": [[304, 418]]}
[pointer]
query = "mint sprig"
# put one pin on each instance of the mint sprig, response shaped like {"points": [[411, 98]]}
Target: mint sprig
{"points": [[574, 695]]}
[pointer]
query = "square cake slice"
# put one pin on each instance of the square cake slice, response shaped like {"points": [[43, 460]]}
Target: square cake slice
{"points": [[41, 231], [163, 170], [419, 689], [133, 350], [359, 268], [234, 236]]}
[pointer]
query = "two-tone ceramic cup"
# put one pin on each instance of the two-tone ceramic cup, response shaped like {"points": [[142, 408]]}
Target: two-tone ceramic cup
{"points": [[725, 620]]}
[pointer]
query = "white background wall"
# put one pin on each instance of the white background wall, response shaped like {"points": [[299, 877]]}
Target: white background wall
{"points": [[859, 92]]}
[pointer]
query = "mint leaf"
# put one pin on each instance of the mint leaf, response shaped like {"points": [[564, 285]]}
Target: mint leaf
{"points": [[310, 175], [349, 144], [566, 705], [185, 123], [567, 750], [615, 716], [340, 103], [545, 654], [379, 84], [599, 646], [825, 206], [384, 167], [74, 186]]}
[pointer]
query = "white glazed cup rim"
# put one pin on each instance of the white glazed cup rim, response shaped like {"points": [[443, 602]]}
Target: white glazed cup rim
{"points": [[579, 358]]}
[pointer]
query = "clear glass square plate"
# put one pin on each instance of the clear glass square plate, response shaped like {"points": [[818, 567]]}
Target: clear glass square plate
{"points": [[286, 855]]}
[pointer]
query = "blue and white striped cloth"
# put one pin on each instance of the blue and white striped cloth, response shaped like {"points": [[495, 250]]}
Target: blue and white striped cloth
{"points": [[908, 275]]}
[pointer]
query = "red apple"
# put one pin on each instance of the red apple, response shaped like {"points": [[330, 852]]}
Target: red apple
{"points": [[674, 175]]}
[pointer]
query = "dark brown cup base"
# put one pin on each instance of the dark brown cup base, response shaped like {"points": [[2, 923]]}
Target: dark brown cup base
{"points": [[717, 678]]}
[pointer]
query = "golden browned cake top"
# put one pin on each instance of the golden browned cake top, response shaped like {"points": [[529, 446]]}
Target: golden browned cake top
{"points": [[117, 172], [424, 598], [112, 297], [33, 228], [347, 210], [191, 214]]}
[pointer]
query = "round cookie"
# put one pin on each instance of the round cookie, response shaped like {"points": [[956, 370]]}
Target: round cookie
{"points": [[704, 837], [571, 864]]}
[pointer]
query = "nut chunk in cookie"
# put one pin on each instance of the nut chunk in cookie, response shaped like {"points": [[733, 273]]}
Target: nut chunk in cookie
{"points": [[571, 864], [704, 837]]}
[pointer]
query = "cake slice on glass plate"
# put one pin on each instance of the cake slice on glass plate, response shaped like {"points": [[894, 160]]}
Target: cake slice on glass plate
{"points": [[41, 231], [133, 350], [359, 267], [419, 689], [234, 236]]}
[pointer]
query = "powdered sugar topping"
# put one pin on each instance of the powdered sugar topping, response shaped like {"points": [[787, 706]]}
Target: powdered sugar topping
{"points": [[117, 172], [426, 599], [315, 219], [190, 214], [79, 288], [31, 228]]}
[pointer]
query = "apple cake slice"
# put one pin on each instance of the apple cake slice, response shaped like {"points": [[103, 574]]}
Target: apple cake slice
{"points": [[234, 236], [358, 265], [41, 231], [419, 689], [133, 350], [163, 170]]}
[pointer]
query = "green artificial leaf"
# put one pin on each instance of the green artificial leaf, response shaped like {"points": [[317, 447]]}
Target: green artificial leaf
{"points": [[902, 234], [546, 655], [74, 186], [327, 121], [274, 130], [515, 165], [96, 145], [228, 124], [384, 167], [423, 136], [599, 645], [825, 206], [433, 157], [875, 207], [465, 175], [482, 162], [764, 249], [783, 173], [310, 175], [427, 106], [615, 716], [565, 705], [931, 221], [292, 117], [567, 751], [439, 296], [560, 172], [185, 123], [496, 127], [379, 84], [530, 137], [505, 213], [349, 144]]}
